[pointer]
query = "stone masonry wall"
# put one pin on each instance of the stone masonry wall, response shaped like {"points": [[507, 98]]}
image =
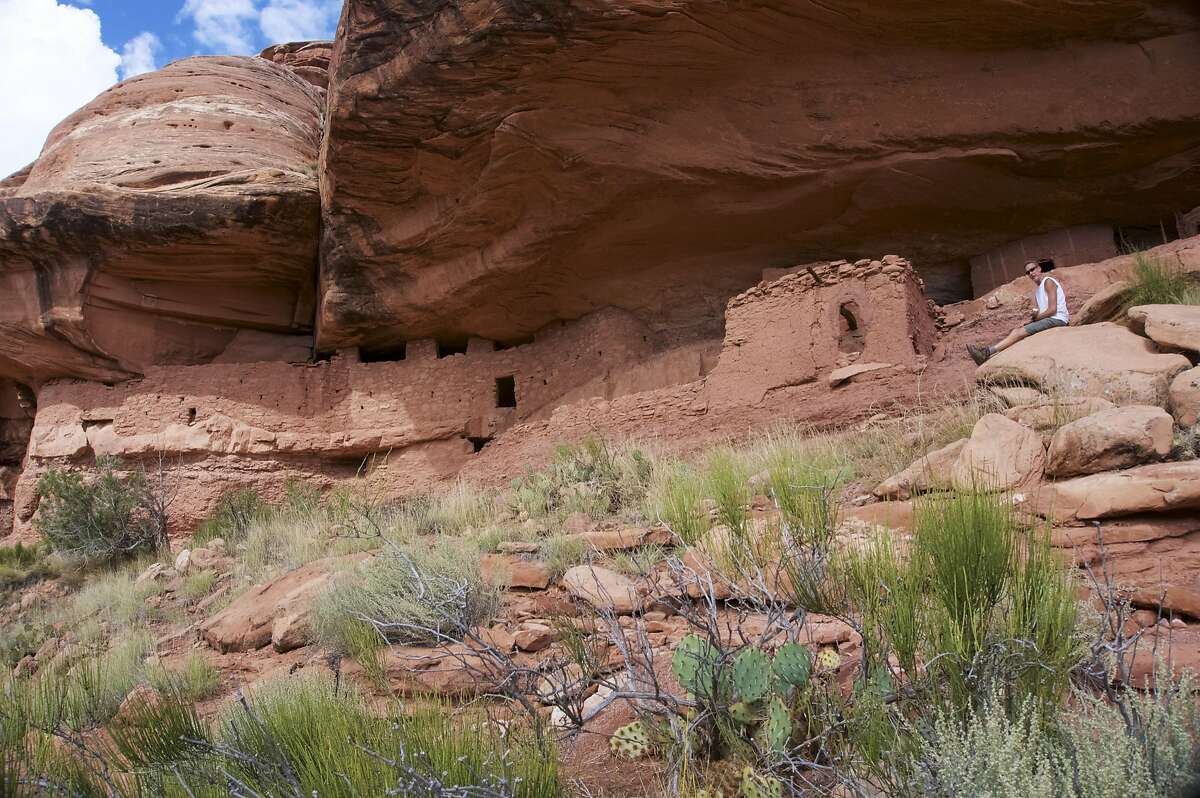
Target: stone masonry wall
{"points": [[813, 319]]}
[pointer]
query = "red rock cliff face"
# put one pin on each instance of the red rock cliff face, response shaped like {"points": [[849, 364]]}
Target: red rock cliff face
{"points": [[496, 164], [173, 219]]}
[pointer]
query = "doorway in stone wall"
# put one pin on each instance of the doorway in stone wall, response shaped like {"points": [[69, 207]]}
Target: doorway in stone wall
{"points": [[850, 328]]}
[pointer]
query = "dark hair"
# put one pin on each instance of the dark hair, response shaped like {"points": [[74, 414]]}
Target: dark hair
{"points": [[1047, 264]]}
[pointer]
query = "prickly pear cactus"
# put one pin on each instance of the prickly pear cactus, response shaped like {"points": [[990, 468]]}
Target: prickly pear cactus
{"points": [[792, 664], [751, 674], [757, 785], [694, 664], [744, 713], [709, 792], [777, 727], [630, 741], [828, 660]]}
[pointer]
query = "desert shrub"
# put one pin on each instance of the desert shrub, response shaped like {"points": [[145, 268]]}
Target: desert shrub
{"points": [[1157, 282], [638, 562], [593, 477], [232, 517], [425, 592], [1086, 751], [1186, 443], [20, 638], [107, 517]]}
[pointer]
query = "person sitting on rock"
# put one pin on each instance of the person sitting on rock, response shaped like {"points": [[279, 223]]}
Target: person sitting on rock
{"points": [[1051, 312]]}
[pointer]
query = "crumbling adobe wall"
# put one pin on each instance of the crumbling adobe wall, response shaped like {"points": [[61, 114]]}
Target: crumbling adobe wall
{"points": [[801, 326], [417, 419]]}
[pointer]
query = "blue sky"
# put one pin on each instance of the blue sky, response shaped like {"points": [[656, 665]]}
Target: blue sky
{"points": [[56, 55]]}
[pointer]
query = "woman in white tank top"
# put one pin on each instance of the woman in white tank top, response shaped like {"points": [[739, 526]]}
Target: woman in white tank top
{"points": [[1051, 312]]}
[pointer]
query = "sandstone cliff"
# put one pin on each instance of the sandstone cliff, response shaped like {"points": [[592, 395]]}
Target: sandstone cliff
{"points": [[492, 166], [171, 220]]}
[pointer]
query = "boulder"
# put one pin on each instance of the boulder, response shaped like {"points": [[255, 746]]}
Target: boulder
{"points": [[1110, 440], [1158, 487], [1104, 305], [250, 621], [1016, 395], [1104, 360], [1172, 326], [931, 472], [1000, 454], [506, 570], [1185, 397], [604, 589], [532, 636], [625, 538], [1050, 414]]}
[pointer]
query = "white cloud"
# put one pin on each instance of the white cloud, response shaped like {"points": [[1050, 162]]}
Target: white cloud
{"points": [[53, 62], [224, 26], [299, 20], [137, 56]]}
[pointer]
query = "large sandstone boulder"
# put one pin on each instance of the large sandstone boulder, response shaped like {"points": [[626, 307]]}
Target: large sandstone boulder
{"points": [[1158, 487], [1173, 326], [1000, 454], [604, 589], [931, 472], [1185, 397], [274, 612], [1104, 360], [489, 169], [175, 210], [1110, 440]]}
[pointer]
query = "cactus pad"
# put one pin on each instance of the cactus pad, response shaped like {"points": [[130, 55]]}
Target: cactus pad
{"points": [[630, 741], [694, 664], [756, 785], [792, 664], [744, 713], [751, 674], [828, 659], [777, 728]]}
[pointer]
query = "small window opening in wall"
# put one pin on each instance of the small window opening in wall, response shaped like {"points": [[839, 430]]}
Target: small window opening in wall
{"points": [[477, 444], [850, 334], [512, 342], [448, 348], [191, 416], [383, 354], [506, 391]]}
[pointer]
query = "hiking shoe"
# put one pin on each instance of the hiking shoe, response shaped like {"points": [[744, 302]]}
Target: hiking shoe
{"points": [[978, 353]]}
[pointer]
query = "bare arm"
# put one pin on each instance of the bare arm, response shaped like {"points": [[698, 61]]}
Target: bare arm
{"points": [[1051, 303]]}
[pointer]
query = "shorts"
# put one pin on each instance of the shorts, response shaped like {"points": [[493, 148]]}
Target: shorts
{"points": [[1043, 325]]}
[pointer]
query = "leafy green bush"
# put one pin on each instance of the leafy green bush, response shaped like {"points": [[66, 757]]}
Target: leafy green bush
{"points": [[425, 592], [1156, 282], [593, 477], [107, 517]]}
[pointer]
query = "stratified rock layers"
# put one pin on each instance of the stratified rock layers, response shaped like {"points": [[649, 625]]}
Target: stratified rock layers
{"points": [[494, 165], [171, 220]]}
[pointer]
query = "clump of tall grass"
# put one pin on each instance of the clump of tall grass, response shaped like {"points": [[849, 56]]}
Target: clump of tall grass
{"points": [[21, 564], [676, 498], [232, 517], [115, 598], [195, 680], [426, 592], [561, 552], [1157, 282], [983, 602]]}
